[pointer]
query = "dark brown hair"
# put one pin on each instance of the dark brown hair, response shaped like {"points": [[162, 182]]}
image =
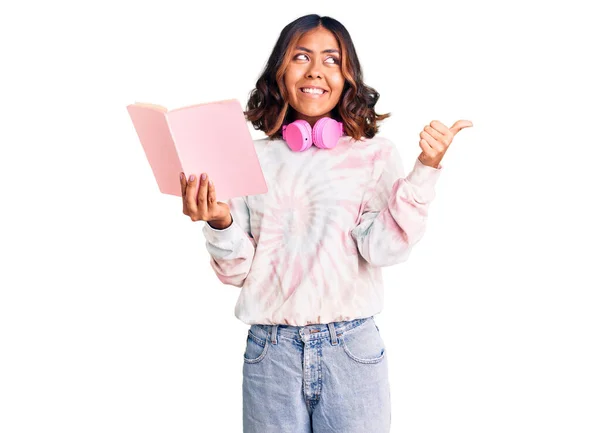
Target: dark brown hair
{"points": [[268, 108]]}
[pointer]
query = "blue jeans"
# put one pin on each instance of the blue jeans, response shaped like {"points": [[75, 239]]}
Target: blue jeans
{"points": [[329, 378]]}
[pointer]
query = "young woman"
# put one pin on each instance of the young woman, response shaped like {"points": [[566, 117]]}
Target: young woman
{"points": [[308, 254]]}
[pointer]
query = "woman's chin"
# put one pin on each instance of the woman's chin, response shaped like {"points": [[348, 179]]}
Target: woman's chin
{"points": [[311, 114]]}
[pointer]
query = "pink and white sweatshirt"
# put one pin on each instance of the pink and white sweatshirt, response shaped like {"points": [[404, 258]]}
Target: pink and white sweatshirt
{"points": [[311, 249]]}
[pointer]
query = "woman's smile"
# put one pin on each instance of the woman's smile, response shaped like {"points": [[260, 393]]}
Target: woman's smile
{"points": [[312, 92]]}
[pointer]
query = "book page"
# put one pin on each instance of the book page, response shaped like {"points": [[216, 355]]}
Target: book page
{"points": [[227, 101], [155, 137], [214, 138], [151, 106]]}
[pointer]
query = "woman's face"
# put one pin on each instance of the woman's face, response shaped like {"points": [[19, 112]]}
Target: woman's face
{"points": [[313, 78]]}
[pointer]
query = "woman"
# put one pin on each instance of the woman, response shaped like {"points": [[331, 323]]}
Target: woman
{"points": [[308, 254]]}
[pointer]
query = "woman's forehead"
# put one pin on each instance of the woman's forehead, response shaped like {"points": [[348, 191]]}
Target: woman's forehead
{"points": [[319, 38]]}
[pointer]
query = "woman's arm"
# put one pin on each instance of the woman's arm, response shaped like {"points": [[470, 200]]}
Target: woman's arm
{"points": [[395, 213], [232, 249]]}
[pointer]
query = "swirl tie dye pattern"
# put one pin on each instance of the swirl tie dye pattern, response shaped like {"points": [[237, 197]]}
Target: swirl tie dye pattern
{"points": [[311, 249]]}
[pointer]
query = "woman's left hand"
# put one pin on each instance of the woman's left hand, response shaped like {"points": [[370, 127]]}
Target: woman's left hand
{"points": [[435, 139]]}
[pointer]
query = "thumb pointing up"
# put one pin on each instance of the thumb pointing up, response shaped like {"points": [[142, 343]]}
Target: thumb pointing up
{"points": [[435, 140]]}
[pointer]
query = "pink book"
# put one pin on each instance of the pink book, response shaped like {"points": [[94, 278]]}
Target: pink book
{"points": [[210, 138]]}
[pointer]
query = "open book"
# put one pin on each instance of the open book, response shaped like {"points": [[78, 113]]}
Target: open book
{"points": [[210, 138]]}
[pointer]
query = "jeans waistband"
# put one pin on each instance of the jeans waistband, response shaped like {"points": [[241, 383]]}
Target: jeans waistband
{"points": [[311, 332]]}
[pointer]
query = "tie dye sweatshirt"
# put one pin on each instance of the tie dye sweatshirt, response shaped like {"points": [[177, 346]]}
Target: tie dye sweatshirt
{"points": [[311, 249]]}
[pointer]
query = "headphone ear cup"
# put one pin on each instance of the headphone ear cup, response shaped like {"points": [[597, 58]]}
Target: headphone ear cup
{"points": [[327, 132], [298, 135]]}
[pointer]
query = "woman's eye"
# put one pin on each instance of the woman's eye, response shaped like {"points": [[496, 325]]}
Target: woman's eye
{"points": [[329, 60]]}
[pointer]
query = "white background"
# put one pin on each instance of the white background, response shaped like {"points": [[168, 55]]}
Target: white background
{"points": [[111, 319]]}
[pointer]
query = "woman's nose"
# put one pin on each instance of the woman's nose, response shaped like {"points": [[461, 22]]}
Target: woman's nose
{"points": [[313, 72]]}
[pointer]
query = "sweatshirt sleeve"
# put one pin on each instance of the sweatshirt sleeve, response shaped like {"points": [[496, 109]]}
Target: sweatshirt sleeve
{"points": [[232, 249], [395, 212]]}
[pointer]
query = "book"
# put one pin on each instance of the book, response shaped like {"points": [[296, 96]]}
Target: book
{"points": [[210, 138]]}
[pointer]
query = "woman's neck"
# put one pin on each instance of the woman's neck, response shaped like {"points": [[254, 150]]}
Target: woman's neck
{"points": [[311, 120]]}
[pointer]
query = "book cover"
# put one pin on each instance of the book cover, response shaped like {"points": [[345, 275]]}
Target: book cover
{"points": [[210, 138]]}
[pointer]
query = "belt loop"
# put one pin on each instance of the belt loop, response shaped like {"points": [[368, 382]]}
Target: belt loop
{"points": [[334, 340], [274, 334]]}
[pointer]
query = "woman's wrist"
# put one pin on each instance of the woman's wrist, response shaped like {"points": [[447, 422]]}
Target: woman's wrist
{"points": [[221, 224]]}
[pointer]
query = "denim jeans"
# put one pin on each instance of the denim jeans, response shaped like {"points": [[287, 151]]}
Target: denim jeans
{"points": [[322, 378]]}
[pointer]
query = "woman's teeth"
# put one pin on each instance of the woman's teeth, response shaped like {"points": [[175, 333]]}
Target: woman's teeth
{"points": [[313, 91]]}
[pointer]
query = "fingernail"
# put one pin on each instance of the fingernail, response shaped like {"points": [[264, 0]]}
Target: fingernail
{"points": [[203, 176], [181, 176], [210, 182], [192, 177]]}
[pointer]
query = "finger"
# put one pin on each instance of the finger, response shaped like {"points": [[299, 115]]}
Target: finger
{"points": [[191, 194], [202, 192], [427, 155], [439, 127], [460, 124], [423, 144], [435, 134], [182, 183], [212, 196], [435, 145]]}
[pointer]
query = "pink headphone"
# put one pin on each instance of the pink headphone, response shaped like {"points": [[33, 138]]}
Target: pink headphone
{"points": [[325, 135]]}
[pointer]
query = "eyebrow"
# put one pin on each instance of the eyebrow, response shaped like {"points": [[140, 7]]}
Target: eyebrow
{"points": [[331, 50]]}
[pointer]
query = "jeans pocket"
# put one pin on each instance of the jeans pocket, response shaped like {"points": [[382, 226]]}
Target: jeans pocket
{"points": [[364, 344], [256, 348]]}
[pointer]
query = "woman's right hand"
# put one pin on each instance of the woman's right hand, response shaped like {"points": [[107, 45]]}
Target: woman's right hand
{"points": [[200, 202]]}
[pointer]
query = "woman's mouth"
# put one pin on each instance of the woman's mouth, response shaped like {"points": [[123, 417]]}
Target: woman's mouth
{"points": [[312, 92]]}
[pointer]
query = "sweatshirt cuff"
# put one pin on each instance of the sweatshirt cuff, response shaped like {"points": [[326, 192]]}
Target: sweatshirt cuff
{"points": [[423, 175], [217, 236]]}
